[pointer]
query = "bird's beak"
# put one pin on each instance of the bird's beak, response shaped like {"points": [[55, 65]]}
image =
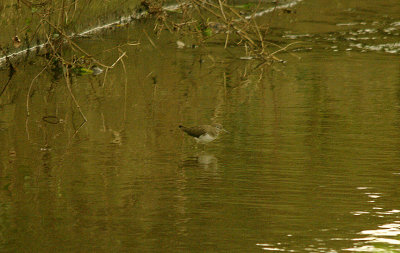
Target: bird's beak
{"points": [[224, 130]]}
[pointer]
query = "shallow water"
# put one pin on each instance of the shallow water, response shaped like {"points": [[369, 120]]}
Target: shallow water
{"points": [[310, 164]]}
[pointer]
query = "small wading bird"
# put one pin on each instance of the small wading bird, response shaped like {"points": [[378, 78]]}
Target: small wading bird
{"points": [[205, 133]]}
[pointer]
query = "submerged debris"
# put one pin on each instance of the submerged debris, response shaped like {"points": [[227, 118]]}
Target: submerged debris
{"points": [[96, 70], [180, 44], [217, 27], [51, 119], [16, 41], [246, 58], [152, 7]]}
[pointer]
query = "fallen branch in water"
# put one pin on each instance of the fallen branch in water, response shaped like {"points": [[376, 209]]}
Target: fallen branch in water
{"points": [[238, 28]]}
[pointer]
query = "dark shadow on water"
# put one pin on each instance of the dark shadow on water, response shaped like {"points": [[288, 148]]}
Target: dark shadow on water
{"points": [[10, 76]]}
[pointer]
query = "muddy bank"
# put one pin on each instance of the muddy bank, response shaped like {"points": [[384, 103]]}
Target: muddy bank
{"points": [[60, 23], [23, 26]]}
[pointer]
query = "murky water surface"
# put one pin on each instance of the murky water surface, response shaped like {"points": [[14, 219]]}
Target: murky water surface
{"points": [[311, 162]]}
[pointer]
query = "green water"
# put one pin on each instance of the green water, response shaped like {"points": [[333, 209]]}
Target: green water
{"points": [[311, 162]]}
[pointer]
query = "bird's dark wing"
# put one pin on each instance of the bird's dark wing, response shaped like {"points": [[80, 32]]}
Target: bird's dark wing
{"points": [[195, 131]]}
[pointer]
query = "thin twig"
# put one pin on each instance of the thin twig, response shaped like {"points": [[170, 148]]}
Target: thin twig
{"points": [[119, 58], [292, 54], [284, 48], [28, 95], [148, 37], [259, 36], [75, 45], [31, 85], [222, 10], [227, 35], [66, 75], [125, 85]]}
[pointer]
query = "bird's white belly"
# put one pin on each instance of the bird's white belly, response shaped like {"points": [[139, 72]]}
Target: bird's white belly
{"points": [[205, 138]]}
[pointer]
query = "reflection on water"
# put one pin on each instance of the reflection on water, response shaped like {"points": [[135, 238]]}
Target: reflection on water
{"points": [[373, 27], [379, 240], [202, 160], [310, 163], [383, 239], [208, 161]]}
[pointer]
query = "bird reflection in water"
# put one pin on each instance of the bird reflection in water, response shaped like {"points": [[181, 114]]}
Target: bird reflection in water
{"points": [[203, 160]]}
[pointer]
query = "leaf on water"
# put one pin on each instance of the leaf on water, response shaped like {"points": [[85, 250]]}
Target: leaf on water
{"points": [[51, 119], [86, 71], [207, 32], [82, 71]]}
